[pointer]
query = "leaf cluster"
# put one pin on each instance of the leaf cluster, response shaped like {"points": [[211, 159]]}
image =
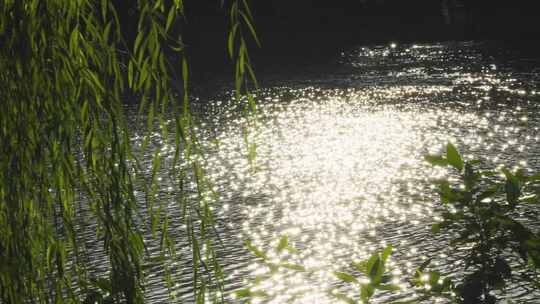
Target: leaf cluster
{"points": [[374, 269], [274, 266], [482, 214], [67, 68]]}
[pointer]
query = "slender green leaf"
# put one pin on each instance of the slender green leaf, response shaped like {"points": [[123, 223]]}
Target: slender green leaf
{"points": [[247, 22], [345, 277], [256, 251], [294, 267], [283, 243], [170, 18]]}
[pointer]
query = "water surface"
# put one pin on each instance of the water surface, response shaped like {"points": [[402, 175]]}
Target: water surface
{"points": [[339, 166]]}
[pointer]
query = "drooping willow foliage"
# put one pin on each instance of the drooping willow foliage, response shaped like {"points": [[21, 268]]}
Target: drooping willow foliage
{"points": [[66, 70]]}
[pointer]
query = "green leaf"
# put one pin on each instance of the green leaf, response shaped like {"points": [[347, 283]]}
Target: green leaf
{"points": [[185, 72], [291, 266], [254, 80], [386, 253], [130, 74], [434, 278], [488, 193], [243, 293], [436, 160], [104, 9], [530, 199], [447, 194], [423, 266], [360, 266], [344, 298], [470, 176], [389, 287], [435, 228], [242, 52], [534, 177], [475, 162], [103, 284], [453, 157], [256, 251], [230, 40], [138, 41], [283, 243], [179, 5], [170, 18], [107, 31], [375, 269], [250, 27], [50, 254], [95, 80], [252, 152], [345, 277], [366, 292], [512, 187]]}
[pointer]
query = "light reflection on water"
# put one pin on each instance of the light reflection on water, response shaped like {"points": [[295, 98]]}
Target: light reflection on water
{"points": [[339, 165], [331, 174]]}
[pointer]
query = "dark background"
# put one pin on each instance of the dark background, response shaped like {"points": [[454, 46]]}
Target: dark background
{"points": [[311, 26], [294, 31]]}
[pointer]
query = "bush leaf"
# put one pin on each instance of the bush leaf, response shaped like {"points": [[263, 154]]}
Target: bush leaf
{"points": [[453, 157]]}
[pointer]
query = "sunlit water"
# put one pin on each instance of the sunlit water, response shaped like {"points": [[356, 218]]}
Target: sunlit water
{"points": [[339, 166]]}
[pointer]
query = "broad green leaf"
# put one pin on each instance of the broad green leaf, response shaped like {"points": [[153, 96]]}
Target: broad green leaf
{"points": [[366, 292], [512, 187], [470, 177], [360, 266], [376, 269], [453, 157], [436, 160]]}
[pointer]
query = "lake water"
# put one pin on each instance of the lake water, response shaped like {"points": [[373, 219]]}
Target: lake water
{"points": [[339, 166]]}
